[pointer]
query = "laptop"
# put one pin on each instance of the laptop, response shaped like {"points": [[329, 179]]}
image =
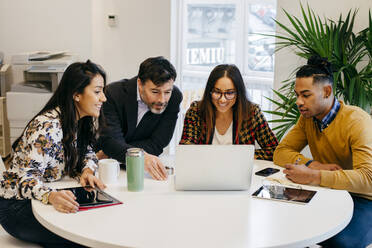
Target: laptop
{"points": [[214, 167]]}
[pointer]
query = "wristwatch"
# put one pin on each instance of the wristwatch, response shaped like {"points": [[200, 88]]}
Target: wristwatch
{"points": [[309, 162], [45, 198]]}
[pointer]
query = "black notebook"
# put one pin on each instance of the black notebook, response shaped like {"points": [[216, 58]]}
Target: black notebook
{"points": [[89, 198]]}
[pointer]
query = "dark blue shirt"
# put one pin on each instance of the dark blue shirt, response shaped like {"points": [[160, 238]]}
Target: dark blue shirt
{"points": [[329, 117]]}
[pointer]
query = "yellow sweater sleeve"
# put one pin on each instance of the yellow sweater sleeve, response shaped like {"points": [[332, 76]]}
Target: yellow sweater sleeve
{"points": [[359, 179], [288, 151]]}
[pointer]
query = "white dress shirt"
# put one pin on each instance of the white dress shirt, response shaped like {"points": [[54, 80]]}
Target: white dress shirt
{"points": [[142, 107]]}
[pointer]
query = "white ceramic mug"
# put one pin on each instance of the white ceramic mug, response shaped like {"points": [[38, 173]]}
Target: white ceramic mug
{"points": [[108, 170]]}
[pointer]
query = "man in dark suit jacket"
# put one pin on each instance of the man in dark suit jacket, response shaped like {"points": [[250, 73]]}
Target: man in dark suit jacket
{"points": [[142, 112]]}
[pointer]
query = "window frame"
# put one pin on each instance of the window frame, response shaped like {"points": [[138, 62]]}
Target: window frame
{"points": [[179, 45]]}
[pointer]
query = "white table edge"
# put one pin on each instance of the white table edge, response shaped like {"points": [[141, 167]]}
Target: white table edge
{"points": [[96, 243], [72, 236]]}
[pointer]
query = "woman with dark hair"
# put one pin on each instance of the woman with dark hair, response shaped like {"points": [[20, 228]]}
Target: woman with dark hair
{"points": [[56, 142], [226, 116]]}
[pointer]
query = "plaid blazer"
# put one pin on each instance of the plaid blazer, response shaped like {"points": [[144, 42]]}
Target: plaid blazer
{"points": [[255, 129]]}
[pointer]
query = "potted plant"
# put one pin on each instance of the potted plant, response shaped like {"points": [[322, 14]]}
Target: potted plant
{"points": [[350, 54]]}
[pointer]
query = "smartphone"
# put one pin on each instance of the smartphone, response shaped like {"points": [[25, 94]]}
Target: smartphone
{"points": [[267, 172]]}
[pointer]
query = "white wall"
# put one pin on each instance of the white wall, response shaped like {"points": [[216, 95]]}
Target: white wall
{"points": [[143, 31], [45, 25], [287, 61]]}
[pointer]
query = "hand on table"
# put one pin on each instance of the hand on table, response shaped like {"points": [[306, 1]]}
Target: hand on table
{"points": [[315, 165], [64, 201], [87, 178], [155, 167], [302, 174]]}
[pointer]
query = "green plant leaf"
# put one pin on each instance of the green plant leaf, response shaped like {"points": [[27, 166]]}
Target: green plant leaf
{"points": [[350, 54]]}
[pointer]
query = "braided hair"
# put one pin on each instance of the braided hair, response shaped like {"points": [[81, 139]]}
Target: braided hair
{"points": [[317, 67]]}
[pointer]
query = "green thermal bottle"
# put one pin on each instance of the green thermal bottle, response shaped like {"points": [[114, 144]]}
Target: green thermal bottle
{"points": [[135, 163]]}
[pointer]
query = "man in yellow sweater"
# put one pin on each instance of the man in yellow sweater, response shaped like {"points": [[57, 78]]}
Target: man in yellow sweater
{"points": [[340, 141]]}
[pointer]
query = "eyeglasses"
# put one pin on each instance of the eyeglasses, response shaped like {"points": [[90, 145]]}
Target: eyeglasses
{"points": [[229, 95]]}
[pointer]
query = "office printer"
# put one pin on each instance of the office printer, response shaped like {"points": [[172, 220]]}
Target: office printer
{"points": [[35, 77], [42, 67]]}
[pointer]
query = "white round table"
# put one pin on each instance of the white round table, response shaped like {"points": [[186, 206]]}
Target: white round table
{"points": [[162, 217]]}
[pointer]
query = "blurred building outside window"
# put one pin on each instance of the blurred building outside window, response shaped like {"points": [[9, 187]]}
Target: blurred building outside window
{"points": [[212, 32]]}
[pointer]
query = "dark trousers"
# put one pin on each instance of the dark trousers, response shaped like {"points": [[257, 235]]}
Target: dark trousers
{"points": [[17, 219], [359, 231]]}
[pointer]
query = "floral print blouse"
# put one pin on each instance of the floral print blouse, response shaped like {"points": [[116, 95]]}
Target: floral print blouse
{"points": [[38, 158]]}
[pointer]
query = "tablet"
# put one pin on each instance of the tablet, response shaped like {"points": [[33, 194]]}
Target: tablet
{"points": [[281, 193], [89, 197]]}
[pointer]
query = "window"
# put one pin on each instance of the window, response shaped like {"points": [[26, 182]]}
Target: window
{"points": [[212, 32]]}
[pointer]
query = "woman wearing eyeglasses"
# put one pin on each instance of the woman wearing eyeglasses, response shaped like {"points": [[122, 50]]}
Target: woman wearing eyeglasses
{"points": [[226, 116]]}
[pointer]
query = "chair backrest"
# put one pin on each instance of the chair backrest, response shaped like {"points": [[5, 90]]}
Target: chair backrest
{"points": [[2, 165]]}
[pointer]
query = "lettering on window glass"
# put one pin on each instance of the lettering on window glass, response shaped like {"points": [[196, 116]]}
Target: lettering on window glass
{"points": [[205, 56], [210, 34]]}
